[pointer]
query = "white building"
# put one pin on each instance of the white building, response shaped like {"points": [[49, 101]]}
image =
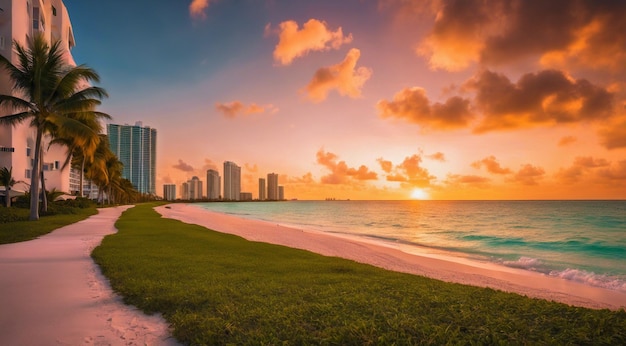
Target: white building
{"points": [[232, 181], [195, 188], [19, 19], [213, 185], [169, 192]]}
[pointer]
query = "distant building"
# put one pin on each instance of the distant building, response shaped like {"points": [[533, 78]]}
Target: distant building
{"points": [[245, 196], [169, 192], [232, 181], [135, 147], [195, 188], [262, 196], [213, 185], [281, 193], [272, 187], [184, 191]]}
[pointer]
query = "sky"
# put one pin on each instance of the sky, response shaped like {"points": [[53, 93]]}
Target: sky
{"points": [[372, 99]]}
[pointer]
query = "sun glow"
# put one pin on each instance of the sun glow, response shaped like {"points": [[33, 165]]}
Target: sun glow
{"points": [[419, 194]]}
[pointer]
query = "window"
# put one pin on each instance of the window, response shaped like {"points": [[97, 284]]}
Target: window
{"points": [[27, 173], [54, 11], [56, 164], [35, 18], [28, 151], [2, 42]]}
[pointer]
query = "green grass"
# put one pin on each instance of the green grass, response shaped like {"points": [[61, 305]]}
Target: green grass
{"points": [[218, 289], [17, 231]]}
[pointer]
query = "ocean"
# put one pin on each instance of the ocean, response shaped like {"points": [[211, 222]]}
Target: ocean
{"points": [[582, 241]]}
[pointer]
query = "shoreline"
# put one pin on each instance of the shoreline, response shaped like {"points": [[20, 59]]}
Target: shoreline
{"points": [[395, 257]]}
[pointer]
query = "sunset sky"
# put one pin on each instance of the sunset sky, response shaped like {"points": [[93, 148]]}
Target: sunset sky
{"points": [[367, 99]]}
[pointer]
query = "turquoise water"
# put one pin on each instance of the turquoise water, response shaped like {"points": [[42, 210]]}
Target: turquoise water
{"points": [[583, 241]]}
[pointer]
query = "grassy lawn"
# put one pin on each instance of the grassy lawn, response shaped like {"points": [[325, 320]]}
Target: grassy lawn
{"points": [[17, 231], [217, 289]]}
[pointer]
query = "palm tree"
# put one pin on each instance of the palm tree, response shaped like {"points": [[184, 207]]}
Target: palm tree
{"points": [[51, 92], [6, 180]]}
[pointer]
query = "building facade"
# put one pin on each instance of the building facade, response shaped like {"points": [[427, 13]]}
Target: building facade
{"points": [[19, 19], [213, 185], [281, 193], [245, 196], [135, 147], [232, 181], [272, 187], [195, 188], [169, 192], [262, 196]]}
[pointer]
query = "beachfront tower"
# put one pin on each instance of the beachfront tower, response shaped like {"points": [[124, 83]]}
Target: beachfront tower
{"points": [[19, 19], [135, 147], [262, 189], [232, 181], [272, 187], [195, 188], [213, 184], [281, 193], [169, 192]]}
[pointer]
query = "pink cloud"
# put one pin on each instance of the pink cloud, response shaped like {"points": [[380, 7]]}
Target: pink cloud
{"points": [[237, 108]]}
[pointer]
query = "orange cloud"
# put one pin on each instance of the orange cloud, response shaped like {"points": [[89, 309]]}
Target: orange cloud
{"points": [[529, 175], [209, 164], [412, 105], [615, 173], [314, 36], [543, 98], [409, 171], [340, 172], [492, 165], [185, 167], [470, 180], [236, 108], [197, 8], [567, 140], [614, 137], [580, 167], [343, 77], [387, 166], [438, 156], [583, 33]]}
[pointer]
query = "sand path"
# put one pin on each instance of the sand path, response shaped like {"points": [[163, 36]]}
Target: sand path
{"points": [[52, 293], [393, 256]]}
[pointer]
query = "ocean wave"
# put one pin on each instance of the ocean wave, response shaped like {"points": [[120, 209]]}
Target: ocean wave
{"points": [[592, 279], [611, 282]]}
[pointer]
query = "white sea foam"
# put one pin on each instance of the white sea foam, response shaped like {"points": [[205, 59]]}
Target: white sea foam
{"points": [[592, 279], [524, 263]]}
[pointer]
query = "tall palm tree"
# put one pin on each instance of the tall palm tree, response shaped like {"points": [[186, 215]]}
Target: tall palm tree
{"points": [[50, 91], [6, 180]]}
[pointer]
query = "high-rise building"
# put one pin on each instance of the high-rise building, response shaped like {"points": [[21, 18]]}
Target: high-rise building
{"points": [[213, 184], [232, 181], [245, 196], [262, 189], [169, 192], [281, 193], [135, 147], [184, 191], [195, 188], [272, 187], [19, 19]]}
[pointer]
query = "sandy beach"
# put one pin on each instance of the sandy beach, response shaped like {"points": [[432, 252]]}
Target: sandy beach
{"points": [[395, 257], [52, 293]]}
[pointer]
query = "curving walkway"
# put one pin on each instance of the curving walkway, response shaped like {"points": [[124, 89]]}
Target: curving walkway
{"points": [[52, 293]]}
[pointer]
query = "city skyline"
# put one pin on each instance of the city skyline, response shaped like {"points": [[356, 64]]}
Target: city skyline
{"points": [[374, 99]]}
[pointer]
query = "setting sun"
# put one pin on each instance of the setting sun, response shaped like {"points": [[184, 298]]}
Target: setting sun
{"points": [[419, 194]]}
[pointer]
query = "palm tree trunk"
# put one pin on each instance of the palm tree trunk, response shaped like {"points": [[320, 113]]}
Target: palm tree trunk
{"points": [[8, 198], [82, 173], [44, 196], [34, 179]]}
